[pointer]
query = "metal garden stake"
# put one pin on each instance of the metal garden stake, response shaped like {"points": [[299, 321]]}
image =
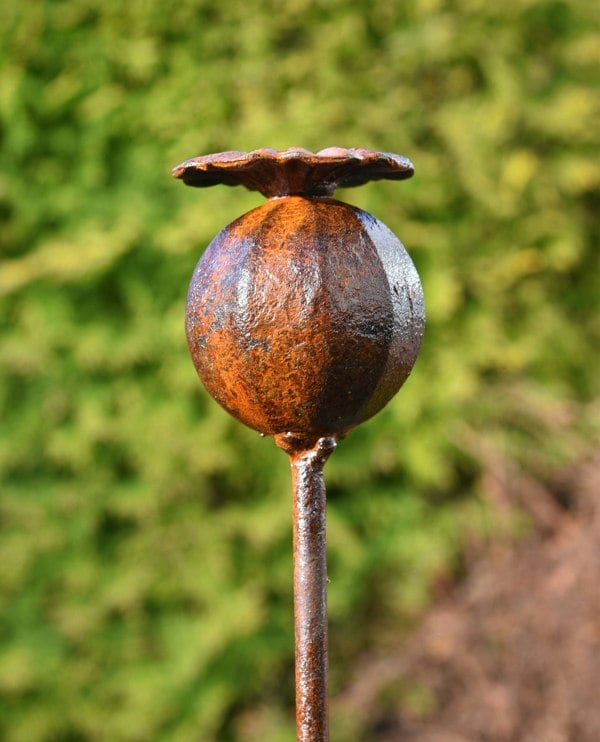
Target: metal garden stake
{"points": [[304, 318]]}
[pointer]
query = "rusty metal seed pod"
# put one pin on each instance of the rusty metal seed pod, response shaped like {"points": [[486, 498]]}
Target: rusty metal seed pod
{"points": [[304, 318]]}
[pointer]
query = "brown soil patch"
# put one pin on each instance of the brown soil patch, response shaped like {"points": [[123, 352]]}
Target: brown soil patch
{"points": [[513, 653]]}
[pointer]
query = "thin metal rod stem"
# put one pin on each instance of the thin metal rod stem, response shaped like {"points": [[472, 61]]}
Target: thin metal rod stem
{"points": [[310, 590]]}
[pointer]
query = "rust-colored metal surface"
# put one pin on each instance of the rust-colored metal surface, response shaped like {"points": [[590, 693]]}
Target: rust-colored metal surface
{"points": [[304, 317], [307, 458], [295, 171]]}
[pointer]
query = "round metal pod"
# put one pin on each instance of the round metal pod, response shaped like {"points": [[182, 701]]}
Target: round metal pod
{"points": [[304, 315]]}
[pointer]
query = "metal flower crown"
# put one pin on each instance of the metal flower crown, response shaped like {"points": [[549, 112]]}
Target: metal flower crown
{"points": [[294, 171]]}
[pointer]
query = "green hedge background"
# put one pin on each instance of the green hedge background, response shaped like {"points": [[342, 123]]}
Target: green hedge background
{"points": [[145, 555]]}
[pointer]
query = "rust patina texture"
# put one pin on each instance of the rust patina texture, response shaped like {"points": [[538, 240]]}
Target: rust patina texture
{"points": [[304, 317], [310, 583]]}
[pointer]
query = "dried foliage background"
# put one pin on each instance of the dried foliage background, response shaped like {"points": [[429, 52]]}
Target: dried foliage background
{"points": [[145, 538]]}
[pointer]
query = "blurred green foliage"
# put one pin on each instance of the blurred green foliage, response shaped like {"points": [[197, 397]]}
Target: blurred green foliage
{"points": [[145, 557]]}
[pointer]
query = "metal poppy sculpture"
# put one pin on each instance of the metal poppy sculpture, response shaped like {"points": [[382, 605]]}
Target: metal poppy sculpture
{"points": [[304, 317]]}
